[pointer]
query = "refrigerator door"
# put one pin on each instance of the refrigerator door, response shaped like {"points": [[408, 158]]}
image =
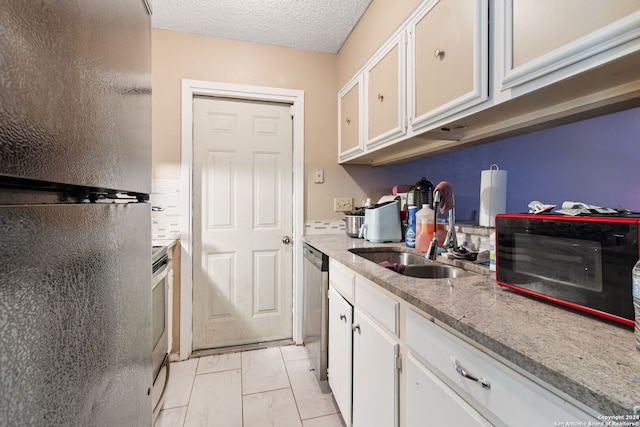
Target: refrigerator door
{"points": [[75, 315], [75, 92]]}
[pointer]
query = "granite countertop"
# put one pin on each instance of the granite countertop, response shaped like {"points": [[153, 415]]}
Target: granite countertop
{"points": [[592, 360]]}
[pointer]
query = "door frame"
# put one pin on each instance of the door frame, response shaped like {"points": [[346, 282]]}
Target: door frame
{"points": [[295, 98]]}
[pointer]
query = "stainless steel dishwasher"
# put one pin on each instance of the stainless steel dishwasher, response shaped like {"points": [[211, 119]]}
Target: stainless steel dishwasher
{"points": [[316, 309]]}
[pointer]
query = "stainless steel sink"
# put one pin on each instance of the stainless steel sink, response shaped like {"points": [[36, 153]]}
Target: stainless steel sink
{"points": [[379, 255], [436, 271], [415, 265]]}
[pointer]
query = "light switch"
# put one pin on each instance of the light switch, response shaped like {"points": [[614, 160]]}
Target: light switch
{"points": [[318, 176]]}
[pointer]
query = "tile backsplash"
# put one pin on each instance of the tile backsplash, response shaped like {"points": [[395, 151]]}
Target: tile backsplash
{"points": [[324, 227], [166, 219]]}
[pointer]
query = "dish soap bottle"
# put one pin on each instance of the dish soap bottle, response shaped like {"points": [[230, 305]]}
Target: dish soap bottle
{"points": [[410, 235], [635, 277], [425, 227]]}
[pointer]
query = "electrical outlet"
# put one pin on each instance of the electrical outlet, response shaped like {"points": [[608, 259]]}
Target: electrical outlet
{"points": [[342, 204]]}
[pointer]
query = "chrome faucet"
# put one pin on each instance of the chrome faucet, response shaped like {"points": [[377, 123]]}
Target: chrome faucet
{"points": [[432, 252], [451, 240]]}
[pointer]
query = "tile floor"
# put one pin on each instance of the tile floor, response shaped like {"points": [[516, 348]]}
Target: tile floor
{"points": [[258, 388]]}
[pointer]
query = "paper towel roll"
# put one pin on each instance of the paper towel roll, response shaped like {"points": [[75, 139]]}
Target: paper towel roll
{"points": [[493, 194]]}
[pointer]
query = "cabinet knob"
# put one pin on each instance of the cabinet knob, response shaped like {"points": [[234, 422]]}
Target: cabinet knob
{"points": [[380, 97], [439, 53], [286, 240], [348, 121], [343, 317], [355, 327]]}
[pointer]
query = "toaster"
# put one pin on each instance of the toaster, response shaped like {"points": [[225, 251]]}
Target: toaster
{"points": [[382, 223]]}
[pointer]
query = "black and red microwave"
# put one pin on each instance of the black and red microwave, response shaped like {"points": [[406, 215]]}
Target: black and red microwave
{"points": [[583, 262]]}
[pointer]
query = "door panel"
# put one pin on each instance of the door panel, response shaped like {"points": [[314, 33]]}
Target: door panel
{"points": [[375, 377], [350, 121], [242, 278], [383, 94], [440, 79], [75, 304], [75, 93], [428, 398], [561, 24], [340, 352]]}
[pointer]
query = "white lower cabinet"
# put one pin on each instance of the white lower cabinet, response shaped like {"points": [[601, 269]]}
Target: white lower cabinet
{"points": [[375, 374], [446, 379], [502, 395], [430, 402], [340, 352], [364, 357]]}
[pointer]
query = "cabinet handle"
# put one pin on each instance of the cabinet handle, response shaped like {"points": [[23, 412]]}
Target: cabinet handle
{"points": [[380, 97], [348, 121], [484, 383], [343, 317], [439, 53], [355, 327]]}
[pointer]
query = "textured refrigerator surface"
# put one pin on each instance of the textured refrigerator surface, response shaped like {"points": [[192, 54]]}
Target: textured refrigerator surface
{"points": [[75, 92], [75, 315]]}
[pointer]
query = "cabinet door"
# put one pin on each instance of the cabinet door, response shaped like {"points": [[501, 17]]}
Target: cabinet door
{"points": [[544, 36], [375, 376], [340, 352], [449, 59], [386, 91], [432, 402], [500, 393], [349, 125]]}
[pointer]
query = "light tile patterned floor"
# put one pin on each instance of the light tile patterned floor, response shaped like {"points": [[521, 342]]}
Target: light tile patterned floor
{"points": [[258, 388]]}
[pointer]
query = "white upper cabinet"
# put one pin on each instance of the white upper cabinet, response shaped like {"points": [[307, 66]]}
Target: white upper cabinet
{"points": [[463, 72], [548, 40], [385, 95], [448, 59], [350, 133]]}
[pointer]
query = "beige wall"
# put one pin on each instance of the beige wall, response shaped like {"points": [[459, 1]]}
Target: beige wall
{"points": [[176, 56], [382, 18]]}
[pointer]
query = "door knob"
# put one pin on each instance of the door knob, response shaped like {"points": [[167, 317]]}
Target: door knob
{"points": [[286, 240]]}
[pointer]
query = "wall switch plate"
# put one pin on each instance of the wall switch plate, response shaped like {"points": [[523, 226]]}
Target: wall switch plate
{"points": [[318, 176], [342, 204]]}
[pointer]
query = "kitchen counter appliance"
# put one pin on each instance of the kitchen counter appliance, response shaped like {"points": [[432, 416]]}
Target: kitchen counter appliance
{"points": [[75, 178], [316, 310], [583, 262], [353, 222], [382, 223]]}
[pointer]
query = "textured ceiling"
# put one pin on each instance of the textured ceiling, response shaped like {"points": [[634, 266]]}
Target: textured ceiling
{"points": [[318, 25]]}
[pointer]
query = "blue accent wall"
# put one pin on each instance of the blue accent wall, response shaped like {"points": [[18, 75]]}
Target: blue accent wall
{"points": [[596, 161]]}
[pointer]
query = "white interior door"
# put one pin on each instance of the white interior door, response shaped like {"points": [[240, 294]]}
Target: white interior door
{"points": [[242, 210]]}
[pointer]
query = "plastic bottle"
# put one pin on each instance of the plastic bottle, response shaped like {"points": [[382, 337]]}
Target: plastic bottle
{"points": [[425, 227], [410, 235], [635, 277]]}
